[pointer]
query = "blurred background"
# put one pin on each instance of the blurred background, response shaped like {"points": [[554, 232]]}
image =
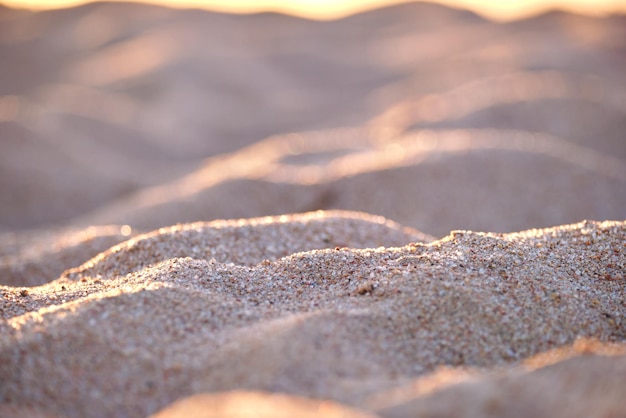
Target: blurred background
{"points": [[327, 9], [495, 116]]}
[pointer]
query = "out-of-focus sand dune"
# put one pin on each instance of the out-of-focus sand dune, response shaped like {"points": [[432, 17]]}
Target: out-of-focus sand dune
{"points": [[432, 180], [101, 101]]}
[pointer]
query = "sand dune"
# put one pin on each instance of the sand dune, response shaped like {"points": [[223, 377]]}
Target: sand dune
{"points": [[133, 96], [434, 181], [263, 239], [205, 214]]}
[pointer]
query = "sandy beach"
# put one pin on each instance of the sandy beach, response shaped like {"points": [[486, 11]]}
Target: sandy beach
{"points": [[412, 211]]}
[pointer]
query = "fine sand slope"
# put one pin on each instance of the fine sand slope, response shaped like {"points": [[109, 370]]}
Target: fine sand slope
{"points": [[254, 305]]}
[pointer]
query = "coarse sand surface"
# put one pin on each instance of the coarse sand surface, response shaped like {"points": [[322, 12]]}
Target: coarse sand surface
{"points": [[454, 327]]}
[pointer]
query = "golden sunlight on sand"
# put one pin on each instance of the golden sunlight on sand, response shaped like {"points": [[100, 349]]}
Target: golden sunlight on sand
{"points": [[327, 9]]}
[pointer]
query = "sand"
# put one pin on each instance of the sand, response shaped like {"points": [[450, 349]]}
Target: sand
{"points": [[131, 331], [408, 212], [40, 256], [127, 114]]}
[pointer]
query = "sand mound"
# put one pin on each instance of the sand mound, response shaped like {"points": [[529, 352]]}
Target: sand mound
{"points": [[250, 241], [341, 324]]}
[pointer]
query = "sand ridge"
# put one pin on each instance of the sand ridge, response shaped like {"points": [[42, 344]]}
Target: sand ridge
{"points": [[423, 179], [250, 241]]}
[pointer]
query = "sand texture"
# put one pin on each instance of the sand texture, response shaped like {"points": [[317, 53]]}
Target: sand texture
{"points": [[409, 212], [132, 330]]}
